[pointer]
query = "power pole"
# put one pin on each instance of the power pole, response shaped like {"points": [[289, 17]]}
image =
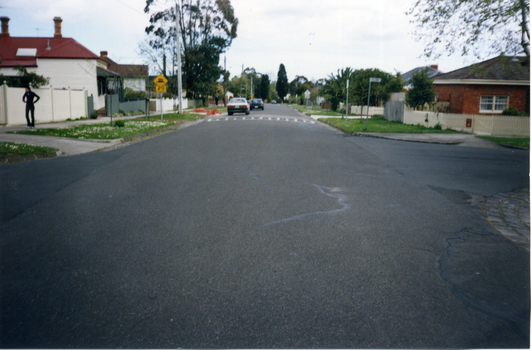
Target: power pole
{"points": [[179, 74], [225, 83]]}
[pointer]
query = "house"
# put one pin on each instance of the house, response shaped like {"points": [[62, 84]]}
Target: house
{"points": [[433, 70], [487, 87], [134, 76], [66, 62]]}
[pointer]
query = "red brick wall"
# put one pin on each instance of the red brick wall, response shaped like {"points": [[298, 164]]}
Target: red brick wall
{"points": [[465, 99]]}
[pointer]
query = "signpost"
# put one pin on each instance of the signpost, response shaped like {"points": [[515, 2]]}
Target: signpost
{"points": [[346, 109], [307, 95], [371, 80], [160, 87]]}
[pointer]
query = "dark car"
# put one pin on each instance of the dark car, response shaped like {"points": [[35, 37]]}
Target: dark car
{"points": [[257, 103], [238, 105]]}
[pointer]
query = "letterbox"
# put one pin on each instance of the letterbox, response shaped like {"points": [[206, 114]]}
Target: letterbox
{"points": [[469, 122]]}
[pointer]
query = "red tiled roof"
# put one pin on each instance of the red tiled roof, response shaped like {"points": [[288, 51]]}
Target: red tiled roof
{"points": [[59, 48]]}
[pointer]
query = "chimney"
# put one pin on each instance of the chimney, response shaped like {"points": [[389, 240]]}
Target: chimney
{"points": [[5, 27], [57, 34], [103, 55], [435, 66]]}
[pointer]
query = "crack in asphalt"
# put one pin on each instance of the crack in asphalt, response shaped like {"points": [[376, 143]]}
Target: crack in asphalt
{"points": [[330, 192]]}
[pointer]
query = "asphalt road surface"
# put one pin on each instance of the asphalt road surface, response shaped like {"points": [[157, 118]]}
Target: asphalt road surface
{"points": [[265, 232]]}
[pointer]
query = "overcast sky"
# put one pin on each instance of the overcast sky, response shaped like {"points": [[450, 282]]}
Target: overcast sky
{"points": [[311, 38]]}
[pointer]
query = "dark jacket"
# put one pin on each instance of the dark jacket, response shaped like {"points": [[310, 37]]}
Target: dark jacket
{"points": [[28, 98]]}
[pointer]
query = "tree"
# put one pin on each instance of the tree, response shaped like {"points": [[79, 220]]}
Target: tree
{"points": [[207, 29], [299, 85], [500, 25], [282, 82], [335, 86], [25, 78], [422, 91], [264, 87]]}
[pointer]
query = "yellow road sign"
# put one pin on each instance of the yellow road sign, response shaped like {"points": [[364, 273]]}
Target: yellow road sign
{"points": [[160, 80], [160, 88]]}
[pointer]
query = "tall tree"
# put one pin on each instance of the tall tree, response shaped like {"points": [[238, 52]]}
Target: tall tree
{"points": [[207, 29], [264, 87], [464, 25], [422, 91], [282, 82]]}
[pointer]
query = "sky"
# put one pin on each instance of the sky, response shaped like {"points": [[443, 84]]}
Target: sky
{"points": [[311, 38]]}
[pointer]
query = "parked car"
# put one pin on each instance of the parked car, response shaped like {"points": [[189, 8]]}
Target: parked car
{"points": [[238, 105], [257, 103], [274, 101]]}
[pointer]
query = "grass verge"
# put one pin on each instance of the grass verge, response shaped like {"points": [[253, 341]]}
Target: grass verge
{"points": [[101, 131], [508, 141], [9, 149], [316, 110], [174, 116], [380, 124]]}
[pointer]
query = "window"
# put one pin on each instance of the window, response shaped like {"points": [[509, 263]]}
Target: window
{"points": [[493, 104]]}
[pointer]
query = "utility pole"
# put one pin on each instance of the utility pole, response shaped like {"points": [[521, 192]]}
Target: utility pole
{"points": [[241, 83], [225, 83], [179, 74]]}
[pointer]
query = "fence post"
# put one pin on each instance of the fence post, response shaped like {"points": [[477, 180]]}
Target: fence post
{"points": [[85, 96], [70, 101], [4, 96], [51, 96]]}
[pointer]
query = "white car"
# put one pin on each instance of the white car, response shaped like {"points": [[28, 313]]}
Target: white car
{"points": [[238, 105]]}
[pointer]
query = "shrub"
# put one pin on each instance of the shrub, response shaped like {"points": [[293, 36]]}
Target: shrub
{"points": [[438, 126], [378, 117], [122, 112], [119, 123], [94, 115], [335, 103], [514, 112]]}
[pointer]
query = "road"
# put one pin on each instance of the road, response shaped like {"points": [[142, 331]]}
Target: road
{"points": [[272, 232]]}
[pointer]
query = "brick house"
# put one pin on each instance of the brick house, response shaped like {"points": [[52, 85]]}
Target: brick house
{"points": [[487, 87]]}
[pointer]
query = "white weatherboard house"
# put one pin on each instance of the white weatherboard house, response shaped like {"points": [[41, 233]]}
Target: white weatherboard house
{"points": [[66, 62]]}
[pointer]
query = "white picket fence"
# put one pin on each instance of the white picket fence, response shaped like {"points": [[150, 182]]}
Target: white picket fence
{"points": [[54, 105]]}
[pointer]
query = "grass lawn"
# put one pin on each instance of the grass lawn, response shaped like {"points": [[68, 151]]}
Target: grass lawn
{"points": [[99, 131], [508, 141], [316, 110], [174, 116], [379, 124], [19, 149]]}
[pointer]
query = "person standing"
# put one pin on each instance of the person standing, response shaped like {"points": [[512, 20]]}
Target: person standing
{"points": [[29, 98]]}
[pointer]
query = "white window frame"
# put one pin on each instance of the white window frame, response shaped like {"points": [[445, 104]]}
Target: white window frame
{"points": [[493, 108]]}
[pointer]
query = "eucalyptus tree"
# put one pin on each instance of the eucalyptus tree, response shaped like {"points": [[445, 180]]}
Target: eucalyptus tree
{"points": [[207, 28], [498, 26]]}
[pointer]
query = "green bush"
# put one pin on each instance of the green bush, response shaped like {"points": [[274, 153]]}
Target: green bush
{"points": [[438, 126], [119, 123], [94, 115], [122, 112], [378, 117], [334, 103], [514, 112]]}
